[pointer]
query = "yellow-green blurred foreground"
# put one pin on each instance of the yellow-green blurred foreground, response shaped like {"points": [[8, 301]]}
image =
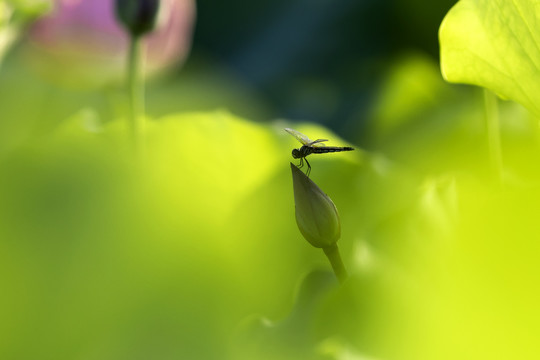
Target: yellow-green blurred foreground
{"points": [[193, 252]]}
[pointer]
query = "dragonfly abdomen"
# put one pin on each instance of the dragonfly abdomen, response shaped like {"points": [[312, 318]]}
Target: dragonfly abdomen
{"points": [[329, 149]]}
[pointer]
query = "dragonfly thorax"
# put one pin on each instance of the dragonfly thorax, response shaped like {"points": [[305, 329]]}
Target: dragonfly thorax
{"points": [[302, 152]]}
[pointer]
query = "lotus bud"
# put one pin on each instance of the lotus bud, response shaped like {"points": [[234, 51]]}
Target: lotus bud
{"points": [[316, 215], [137, 16]]}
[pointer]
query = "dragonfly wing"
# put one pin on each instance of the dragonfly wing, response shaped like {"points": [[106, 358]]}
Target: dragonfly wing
{"points": [[317, 143], [299, 136]]}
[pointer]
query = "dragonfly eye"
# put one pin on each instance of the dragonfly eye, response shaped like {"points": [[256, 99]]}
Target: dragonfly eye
{"points": [[296, 154]]}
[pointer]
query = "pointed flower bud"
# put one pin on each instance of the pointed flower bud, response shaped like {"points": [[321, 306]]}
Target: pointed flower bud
{"points": [[138, 16], [316, 215]]}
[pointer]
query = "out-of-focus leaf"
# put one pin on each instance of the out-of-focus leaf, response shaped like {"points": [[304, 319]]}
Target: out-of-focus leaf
{"points": [[210, 160], [494, 44], [412, 86], [30, 8], [481, 296], [422, 122], [292, 337]]}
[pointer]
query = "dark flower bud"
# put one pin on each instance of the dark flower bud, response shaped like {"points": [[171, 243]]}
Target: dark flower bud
{"points": [[138, 16]]}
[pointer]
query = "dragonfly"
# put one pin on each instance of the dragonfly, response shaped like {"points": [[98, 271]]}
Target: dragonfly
{"points": [[312, 147]]}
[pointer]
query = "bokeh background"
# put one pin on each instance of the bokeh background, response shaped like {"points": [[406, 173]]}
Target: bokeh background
{"points": [[194, 252]]}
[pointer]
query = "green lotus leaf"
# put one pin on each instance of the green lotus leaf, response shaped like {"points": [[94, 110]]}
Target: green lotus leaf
{"points": [[494, 44]]}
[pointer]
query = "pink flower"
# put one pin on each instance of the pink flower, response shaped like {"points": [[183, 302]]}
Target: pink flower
{"points": [[82, 40]]}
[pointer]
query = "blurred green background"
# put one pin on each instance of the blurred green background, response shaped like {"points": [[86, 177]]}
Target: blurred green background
{"points": [[194, 252]]}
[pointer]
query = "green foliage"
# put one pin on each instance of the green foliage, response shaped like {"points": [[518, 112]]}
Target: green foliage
{"points": [[29, 8], [494, 44], [169, 255], [194, 253]]}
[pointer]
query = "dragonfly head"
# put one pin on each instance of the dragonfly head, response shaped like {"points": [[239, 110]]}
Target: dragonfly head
{"points": [[296, 154]]}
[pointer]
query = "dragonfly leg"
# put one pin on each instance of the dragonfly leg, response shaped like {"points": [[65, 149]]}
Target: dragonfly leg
{"points": [[308, 168], [301, 163]]}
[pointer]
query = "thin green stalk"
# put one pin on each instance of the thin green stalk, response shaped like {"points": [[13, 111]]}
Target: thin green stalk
{"points": [[494, 134], [136, 94], [332, 253]]}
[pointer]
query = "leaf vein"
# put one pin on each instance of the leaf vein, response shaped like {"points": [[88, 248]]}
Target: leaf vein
{"points": [[519, 11]]}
